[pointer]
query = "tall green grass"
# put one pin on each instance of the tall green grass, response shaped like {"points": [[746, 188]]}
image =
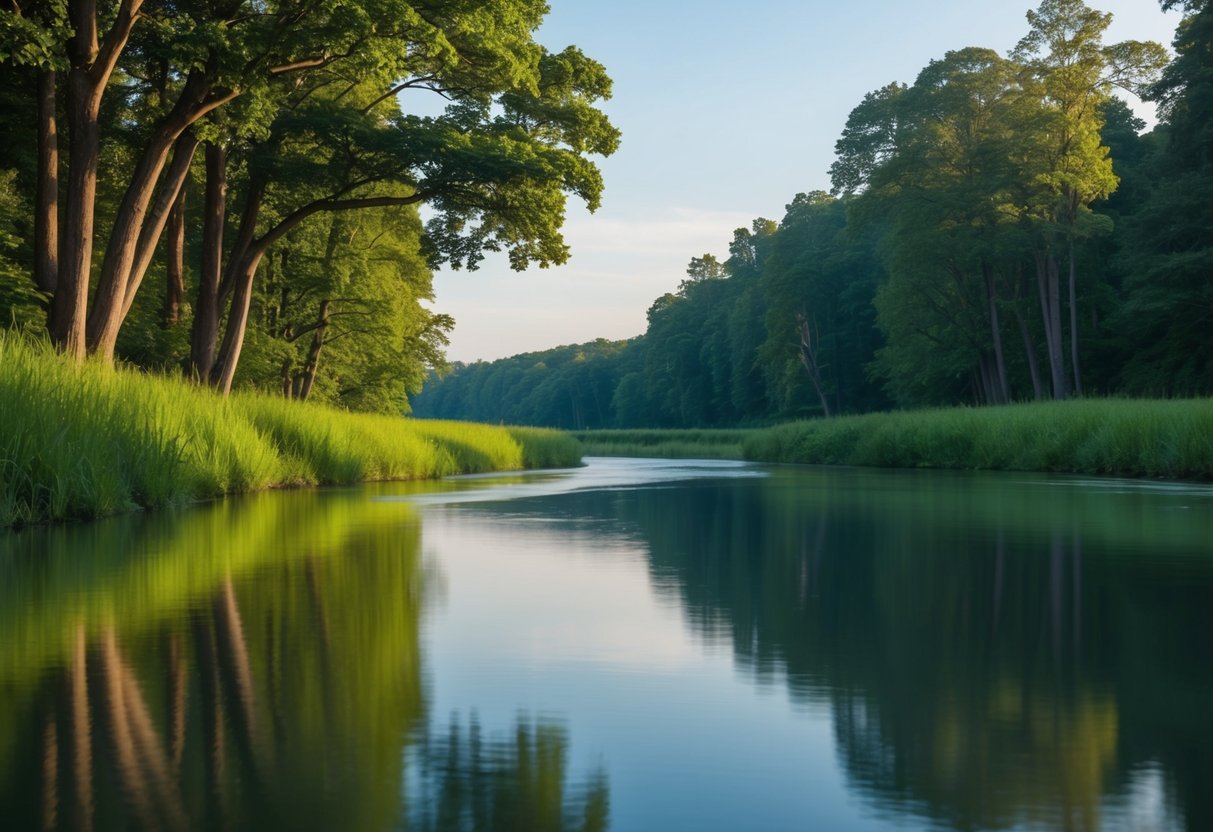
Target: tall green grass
{"points": [[674, 444], [1122, 437], [78, 442]]}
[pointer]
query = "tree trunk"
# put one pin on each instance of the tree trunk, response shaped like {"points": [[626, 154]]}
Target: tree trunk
{"points": [[228, 356], [136, 231], [1004, 388], [808, 357], [91, 65], [246, 257], [71, 292], [1038, 388], [1050, 307], [46, 212], [153, 228], [174, 267], [1074, 323], [308, 377], [205, 332]]}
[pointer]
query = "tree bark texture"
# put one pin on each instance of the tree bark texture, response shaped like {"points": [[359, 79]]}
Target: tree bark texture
{"points": [[205, 332], [174, 267], [46, 211], [91, 65], [808, 357], [1003, 391], [1074, 364], [1050, 308]]}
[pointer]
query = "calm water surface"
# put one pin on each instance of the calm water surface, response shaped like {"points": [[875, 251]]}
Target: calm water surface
{"points": [[633, 645]]}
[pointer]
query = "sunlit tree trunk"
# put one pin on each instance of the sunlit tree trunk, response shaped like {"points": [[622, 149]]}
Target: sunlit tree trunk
{"points": [[46, 210], [206, 304], [91, 63], [308, 376], [174, 267]]}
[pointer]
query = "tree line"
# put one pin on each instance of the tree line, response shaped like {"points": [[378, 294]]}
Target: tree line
{"points": [[999, 230], [264, 163]]}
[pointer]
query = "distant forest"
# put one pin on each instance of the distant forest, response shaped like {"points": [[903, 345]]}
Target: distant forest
{"points": [[999, 230]]}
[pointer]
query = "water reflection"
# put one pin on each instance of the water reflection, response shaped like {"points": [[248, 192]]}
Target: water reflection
{"points": [[995, 652], [470, 782], [249, 665], [980, 653]]}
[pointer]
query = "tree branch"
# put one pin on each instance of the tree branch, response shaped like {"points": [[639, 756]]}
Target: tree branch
{"points": [[321, 205], [115, 40]]}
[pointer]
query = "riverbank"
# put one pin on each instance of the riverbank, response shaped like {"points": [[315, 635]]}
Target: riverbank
{"points": [[668, 444], [87, 442], [1113, 437]]}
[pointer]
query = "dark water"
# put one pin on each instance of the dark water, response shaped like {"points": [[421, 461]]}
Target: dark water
{"points": [[634, 645]]}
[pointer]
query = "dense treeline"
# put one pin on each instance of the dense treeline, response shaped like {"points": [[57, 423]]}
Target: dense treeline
{"points": [[999, 230], [232, 189]]}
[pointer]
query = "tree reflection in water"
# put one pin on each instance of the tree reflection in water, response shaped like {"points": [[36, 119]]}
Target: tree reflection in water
{"points": [[995, 652], [254, 665], [511, 783]]}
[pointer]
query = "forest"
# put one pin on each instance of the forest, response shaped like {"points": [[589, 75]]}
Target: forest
{"points": [[231, 191], [1002, 229]]}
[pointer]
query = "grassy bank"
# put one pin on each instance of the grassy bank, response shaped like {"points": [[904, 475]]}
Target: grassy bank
{"points": [[674, 444], [87, 442], [1120, 437]]}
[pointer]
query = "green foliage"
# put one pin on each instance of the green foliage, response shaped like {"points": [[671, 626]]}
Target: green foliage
{"points": [[90, 441], [19, 301], [566, 387]]}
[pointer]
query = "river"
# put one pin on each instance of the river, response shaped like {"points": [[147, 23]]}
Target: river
{"points": [[631, 645]]}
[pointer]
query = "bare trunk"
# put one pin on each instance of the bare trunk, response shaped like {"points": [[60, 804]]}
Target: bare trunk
{"points": [[246, 257], [1038, 388], [1004, 388], [92, 63], [71, 292], [174, 267], [308, 376], [46, 212], [205, 332], [1074, 323], [136, 232], [808, 357], [228, 355], [1050, 307], [153, 228], [106, 314]]}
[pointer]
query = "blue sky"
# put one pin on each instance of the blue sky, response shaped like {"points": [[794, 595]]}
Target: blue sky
{"points": [[727, 110]]}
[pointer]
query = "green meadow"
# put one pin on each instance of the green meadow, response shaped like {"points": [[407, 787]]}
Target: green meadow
{"points": [[672, 444], [1170, 439], [90, 441]]}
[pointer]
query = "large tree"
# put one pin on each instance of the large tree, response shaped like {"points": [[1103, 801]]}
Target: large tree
{"points": [[252, 81], [1070, 73]]}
